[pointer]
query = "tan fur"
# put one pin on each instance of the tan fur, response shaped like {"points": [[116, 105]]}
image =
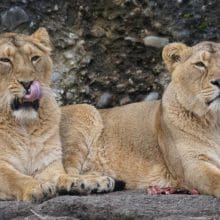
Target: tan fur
{"points": [[171, 142], [31, 165]]}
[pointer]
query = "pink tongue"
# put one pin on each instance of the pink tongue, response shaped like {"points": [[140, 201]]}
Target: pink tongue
{"points": [[34, 92]]}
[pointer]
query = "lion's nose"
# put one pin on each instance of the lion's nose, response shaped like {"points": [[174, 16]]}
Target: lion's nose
{"points": [[26, 84], [216, 82]]}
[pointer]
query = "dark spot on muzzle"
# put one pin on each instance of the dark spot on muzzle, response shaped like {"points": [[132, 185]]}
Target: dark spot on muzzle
{"points": [[16, 105]]}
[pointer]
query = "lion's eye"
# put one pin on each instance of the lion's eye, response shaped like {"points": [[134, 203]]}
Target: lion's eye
{"points": [[200, 64], [35, 59], [5, 60]]}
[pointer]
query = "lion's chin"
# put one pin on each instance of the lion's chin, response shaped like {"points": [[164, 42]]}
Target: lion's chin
{"points": [[18, 104], [25, 115], [215, 105], [25, 111]]}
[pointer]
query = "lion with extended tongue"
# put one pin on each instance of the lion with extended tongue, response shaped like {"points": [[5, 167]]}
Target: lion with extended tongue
{"points": [[31, 165]]}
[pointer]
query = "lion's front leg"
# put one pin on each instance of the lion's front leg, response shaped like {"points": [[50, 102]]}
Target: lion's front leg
{"points": [[56, 180], [204, 177], [15, 185]]}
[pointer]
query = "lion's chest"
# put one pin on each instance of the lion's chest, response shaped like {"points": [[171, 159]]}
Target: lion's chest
{"points": [[214, 151], [30, 158], [33, 153]]}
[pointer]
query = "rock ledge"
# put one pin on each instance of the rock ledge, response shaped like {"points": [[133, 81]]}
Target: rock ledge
{"points": [[117, 205]]}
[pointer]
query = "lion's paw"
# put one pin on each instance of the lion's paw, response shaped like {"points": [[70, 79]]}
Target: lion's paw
{"points": [[102, 184], [37, 192], [86, 184], [49, 189], [32, 193]]}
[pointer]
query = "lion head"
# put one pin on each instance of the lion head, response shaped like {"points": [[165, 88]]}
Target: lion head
{"points": [[195, 73], [25, 70]]}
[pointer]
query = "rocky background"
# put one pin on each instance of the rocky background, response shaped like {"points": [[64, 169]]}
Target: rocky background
{"points": [[108, 52]]}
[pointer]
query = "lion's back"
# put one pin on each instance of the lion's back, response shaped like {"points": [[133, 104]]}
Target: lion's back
{"points": [[139, 117]]}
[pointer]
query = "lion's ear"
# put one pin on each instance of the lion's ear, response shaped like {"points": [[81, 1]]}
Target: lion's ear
{"points": [[41, 35], [173, 54]]}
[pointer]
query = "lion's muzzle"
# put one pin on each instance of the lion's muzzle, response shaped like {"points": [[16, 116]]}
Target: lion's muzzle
{"points": [[30, 99]]}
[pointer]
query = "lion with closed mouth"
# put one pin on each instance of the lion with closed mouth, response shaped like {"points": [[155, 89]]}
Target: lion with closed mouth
{"points": [[161, 145], [31, 166]]}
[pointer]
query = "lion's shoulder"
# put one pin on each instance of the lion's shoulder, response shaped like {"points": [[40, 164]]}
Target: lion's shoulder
{"points": [[80, 116]]}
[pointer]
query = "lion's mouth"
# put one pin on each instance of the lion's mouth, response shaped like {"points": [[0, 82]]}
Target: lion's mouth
{"points": [[211, 101], [30, 99], [19, 104]]}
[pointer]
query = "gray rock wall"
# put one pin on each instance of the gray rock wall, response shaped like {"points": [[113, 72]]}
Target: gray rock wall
{"points": [[108, 52]]}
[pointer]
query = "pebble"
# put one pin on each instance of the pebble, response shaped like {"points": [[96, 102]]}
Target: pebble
{"points": [[125, 100], [14, 17], [155, 41], [56, 8], [104, 100], [85, 90], [69, 79], [120, 86], [56, 76], [139, 72], [132, 39], [181, 34], [148, 12], [152, 96], [69, 54], [86, 59], [131, 82], [73, 36], [97, 31], [69, 96]]}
